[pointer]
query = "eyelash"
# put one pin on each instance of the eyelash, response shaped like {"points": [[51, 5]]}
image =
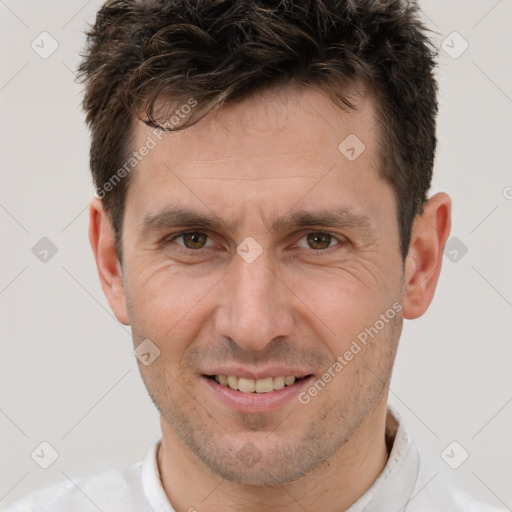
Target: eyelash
{"points": [[341, 242]]}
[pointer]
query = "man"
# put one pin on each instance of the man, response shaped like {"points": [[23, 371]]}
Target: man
{"points": [[261, 222]]}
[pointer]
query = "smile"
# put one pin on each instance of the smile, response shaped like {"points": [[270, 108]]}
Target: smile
{"points": [[262, 395], [255, 385]]}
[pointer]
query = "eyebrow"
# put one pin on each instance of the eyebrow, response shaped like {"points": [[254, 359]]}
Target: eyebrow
{"points": [[179, 216]]}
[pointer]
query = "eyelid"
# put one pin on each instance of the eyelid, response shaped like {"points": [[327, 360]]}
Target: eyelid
{"points": [[174, 236], [342, 240]]}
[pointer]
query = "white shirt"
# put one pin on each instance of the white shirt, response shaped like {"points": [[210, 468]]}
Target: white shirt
{"points": [[405, 481]]}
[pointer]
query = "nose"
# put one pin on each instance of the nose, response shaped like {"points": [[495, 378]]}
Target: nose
{"points": [[256, 305]]}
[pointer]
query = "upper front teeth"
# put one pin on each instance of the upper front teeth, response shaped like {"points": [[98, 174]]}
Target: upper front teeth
{"points": [[252, 386]]}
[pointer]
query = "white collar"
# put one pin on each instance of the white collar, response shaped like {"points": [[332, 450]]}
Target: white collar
{"points": [[394, 486], [391, 491], [152, 483]]}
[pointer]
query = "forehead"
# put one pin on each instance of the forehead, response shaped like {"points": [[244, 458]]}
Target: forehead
{"points": [[270, 147]]}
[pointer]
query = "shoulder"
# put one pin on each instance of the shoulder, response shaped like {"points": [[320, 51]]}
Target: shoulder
{"points": [[445, 497], [435, 492], [116, 490], [432, 489], [469, 504]]}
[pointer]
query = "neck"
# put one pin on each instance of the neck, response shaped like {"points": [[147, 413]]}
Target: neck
{"points": [[332, 486]]}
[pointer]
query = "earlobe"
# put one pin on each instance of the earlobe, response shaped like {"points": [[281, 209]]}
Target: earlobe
{"points": [[423, 264], [102, 242]]}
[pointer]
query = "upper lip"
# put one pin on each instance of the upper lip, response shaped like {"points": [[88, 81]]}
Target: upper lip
{"points": [[257, 374]]}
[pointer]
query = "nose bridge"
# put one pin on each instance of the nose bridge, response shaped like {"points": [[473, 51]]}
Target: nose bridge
{"points": [[256, 305]]}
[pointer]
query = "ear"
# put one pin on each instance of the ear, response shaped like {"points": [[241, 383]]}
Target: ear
{"points": [[101, 237], [423, 263]]}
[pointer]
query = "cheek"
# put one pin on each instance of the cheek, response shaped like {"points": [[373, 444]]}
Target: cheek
{"points": [[364, 361], [347, 304], [165, 291], [350, 293], [166, 305]]}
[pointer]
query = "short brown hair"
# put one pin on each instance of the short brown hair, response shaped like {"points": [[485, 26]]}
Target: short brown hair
{"points": [[221, 51]]}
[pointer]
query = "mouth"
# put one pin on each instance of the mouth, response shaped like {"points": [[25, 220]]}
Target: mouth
{"points": [[263, 395], [246, 385]]}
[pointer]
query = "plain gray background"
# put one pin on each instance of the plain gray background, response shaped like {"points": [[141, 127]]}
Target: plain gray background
{"points": [[68, 376]]}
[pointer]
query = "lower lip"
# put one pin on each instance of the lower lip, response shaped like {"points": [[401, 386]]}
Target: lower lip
{"points": [[257, 402]]}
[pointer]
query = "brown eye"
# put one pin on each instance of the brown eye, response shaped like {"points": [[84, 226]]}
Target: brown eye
{"points": [[319, 240], [194, 240]]}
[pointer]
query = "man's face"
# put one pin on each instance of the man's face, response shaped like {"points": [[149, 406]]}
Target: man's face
{"points": [[265, 290]]}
